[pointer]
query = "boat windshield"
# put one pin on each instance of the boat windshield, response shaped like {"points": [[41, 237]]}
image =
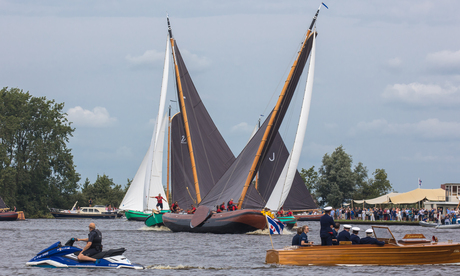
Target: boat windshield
{"points": [[383, 233]]}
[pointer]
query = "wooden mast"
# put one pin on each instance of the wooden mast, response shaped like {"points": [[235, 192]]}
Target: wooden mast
{"points": [[184, 116], [273, 117]]}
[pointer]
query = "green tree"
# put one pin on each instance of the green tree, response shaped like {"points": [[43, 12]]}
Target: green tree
{"points": [[310, 178], [103, 192], [337, 181], [36, 167]]}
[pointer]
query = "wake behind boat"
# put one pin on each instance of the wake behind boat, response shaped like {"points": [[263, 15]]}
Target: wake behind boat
{"points": [[66, 257]]}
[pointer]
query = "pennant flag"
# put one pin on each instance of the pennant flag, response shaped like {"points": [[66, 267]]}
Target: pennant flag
{"points": [[419, 183], [275, 226], [325, 5]]}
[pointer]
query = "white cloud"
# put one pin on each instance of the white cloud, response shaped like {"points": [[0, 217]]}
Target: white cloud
{"points": [[429, 129], [98, 117], [195, 62], [243, 127], [147, 60], [150, 58], [429, 158], [394, 62], [444, 62], [422, 94]]}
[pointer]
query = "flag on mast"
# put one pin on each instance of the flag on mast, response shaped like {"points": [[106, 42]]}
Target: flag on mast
{"points": [[419, 183]]}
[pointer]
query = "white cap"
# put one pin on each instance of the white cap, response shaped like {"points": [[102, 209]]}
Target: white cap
{"points": [[347, 226], [369, 231], [328, 208], [355, 229]]}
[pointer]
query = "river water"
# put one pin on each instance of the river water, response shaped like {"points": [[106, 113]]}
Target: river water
{"points": [[165, 253]]}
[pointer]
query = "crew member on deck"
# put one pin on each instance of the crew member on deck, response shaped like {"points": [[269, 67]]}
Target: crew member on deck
{"points": [[159, 201], [354, 238], [175, 207], [370, 240], [326, 222], [345, 234], [304, 238], [296, 238], [230, 205], [280, 213], [222, 206], [289, 213], [192, 210]]}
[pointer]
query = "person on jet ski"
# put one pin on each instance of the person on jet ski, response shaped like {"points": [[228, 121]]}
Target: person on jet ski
{"points": [[93, 244]]}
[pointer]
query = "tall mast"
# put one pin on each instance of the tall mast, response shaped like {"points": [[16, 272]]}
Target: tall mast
{"points": [[169, 142], [271, 122], [184, 116]]}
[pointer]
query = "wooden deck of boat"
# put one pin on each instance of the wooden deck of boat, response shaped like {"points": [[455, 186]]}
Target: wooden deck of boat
{"points": [[367, 254]]}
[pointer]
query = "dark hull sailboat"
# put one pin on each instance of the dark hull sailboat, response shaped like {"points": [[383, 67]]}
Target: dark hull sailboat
{"points": [[235, 222], [242, 170]]}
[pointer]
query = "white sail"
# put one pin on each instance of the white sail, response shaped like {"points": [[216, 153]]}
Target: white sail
{"points": [[134, 195], [137, 196], [284, 183], [156, 183]]}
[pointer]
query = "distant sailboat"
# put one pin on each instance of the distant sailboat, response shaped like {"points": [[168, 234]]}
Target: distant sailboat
{"points": [[138, 202], [243, 170]]}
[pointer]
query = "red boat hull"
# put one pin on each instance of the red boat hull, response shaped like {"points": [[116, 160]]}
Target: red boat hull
{"points": [[8, 216]]}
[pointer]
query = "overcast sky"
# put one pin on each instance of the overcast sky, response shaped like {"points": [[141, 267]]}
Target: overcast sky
{"points": [[387, 80]]}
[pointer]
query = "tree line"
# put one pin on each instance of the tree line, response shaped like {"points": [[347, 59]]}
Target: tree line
{"points": [[36, 166]]}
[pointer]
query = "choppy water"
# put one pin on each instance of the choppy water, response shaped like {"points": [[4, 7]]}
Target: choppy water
{"points": [[167, 253]]}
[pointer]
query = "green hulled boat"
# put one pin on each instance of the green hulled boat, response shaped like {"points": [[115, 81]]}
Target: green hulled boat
{"points": [[156, 219], [137, 215], [290, 221]]}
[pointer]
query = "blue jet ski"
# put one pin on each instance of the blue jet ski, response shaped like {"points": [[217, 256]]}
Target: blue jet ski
{"points": [[67, 256]]}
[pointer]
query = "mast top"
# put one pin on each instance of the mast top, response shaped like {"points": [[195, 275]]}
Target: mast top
{"points": [[169, 26], [315, 17]]}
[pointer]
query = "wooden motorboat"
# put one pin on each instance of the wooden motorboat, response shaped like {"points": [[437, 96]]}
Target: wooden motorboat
{"points": [[308, 217], [8, 216], [234, 222], [414, 249]]}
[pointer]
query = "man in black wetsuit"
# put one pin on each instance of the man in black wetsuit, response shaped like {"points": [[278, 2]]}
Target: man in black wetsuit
{"points": [[93, 244]]}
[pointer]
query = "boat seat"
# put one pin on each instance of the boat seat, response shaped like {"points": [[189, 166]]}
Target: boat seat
{"points": [[109, 253], [344, 242], [105, 254]]}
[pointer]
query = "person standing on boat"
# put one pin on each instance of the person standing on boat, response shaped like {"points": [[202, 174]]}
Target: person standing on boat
{"points": [[326, 222], [90, 201], [370, 240], [296, 238], [354, 238], [345, 234], [93, 244], [304, 238], [159, 201]]}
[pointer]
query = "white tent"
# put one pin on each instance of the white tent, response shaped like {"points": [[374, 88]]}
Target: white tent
{"points": [[385, 199]]}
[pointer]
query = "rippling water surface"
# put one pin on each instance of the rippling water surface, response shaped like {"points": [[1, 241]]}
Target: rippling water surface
{"points": [[165, 253]]}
